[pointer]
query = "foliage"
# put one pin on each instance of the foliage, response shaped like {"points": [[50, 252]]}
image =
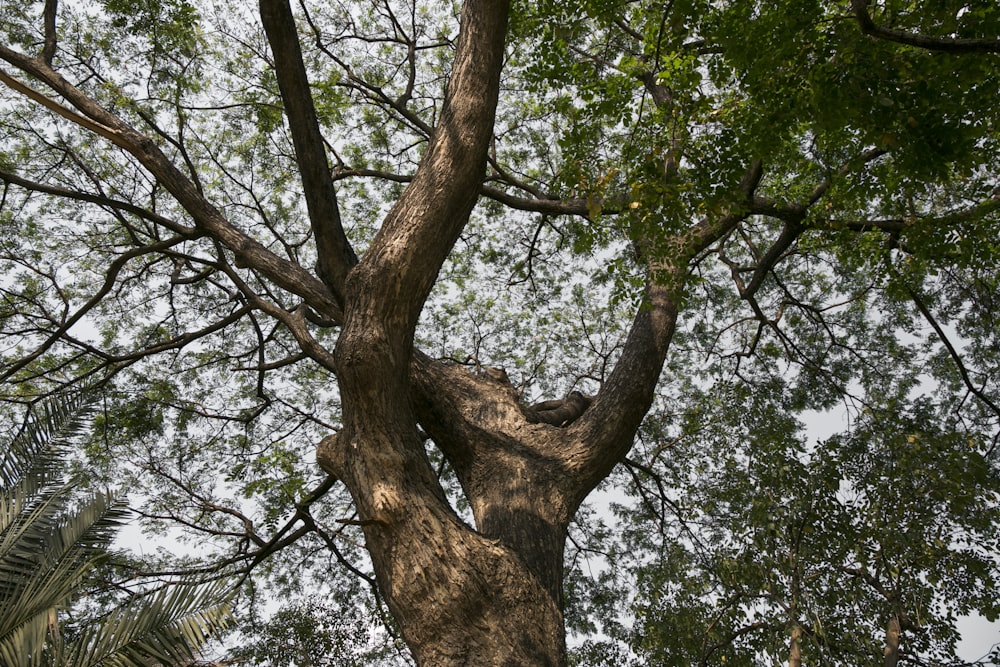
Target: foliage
{"points": [[897, 516], [310, 633]]}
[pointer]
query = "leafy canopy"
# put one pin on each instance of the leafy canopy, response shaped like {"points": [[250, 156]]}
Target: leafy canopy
{"points": [[855, 280]]}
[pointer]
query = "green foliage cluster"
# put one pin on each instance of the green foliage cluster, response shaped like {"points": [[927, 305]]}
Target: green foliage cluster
{"points": [[310, 632]]}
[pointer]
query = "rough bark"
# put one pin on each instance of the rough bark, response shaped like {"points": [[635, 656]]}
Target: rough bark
{"points": [[559, 412], [334, 252], [461, 597]]}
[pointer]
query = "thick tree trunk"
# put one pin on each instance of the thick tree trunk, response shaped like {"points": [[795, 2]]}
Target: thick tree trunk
{"points": [[460, 596], [489, 595]]}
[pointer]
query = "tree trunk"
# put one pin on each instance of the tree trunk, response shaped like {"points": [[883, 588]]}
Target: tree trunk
{"points": [[795, 647], [460, 596], [893, 631], [489, 595]]}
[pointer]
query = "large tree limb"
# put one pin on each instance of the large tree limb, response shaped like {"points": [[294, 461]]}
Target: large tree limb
{"points": [[452, 591], [609, 424], [93, 117], [421, 228], [49, 18], [334, 252]]}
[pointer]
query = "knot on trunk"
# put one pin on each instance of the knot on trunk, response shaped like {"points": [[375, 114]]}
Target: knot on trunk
{"points": [[558, 412], [330, 455]]}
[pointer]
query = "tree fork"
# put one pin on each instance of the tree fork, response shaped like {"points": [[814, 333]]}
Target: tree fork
{"points": [[460, 597]]}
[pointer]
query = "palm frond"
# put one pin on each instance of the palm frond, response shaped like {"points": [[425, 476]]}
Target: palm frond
{"points": [[167, 627], [45, 559], [32, 460], [24, 645], [52, 537]]}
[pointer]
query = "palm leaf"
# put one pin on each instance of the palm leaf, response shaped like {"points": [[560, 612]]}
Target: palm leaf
{"points": [[24, 645], [168, 627], [45, 559], [51, 538], [31, 461]]}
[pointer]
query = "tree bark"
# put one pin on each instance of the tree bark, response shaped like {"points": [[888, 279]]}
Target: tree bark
{"points": [[795, 647], [460, 596], [893, 632]]}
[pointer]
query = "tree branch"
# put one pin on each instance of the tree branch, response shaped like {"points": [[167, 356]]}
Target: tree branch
{"points": [[109, 281], [789, 233], [421, 228], [49, 17], [945, 44], [613, 418], [95, 118], [334, 252], [559, 412], [952, 352], [100, 200]]}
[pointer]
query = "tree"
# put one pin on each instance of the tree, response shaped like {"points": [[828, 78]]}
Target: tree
{"points": [[201, 187], [53, 539], [833, 553]]}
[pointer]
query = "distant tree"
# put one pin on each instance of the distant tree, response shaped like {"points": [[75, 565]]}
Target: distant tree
{"points": [[52, 539], [870, 545]]}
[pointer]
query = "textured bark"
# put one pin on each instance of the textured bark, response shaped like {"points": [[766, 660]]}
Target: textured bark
{"points": [[461, 597], [561, 412], [334, 252]]}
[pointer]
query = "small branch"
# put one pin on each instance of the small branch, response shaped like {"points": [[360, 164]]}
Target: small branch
{"points": [[966, 379], [279, 540], [945, 44], [100, 200], [295, 320], [109, 281], [538, 203], [789, 233], [285, 274]]}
